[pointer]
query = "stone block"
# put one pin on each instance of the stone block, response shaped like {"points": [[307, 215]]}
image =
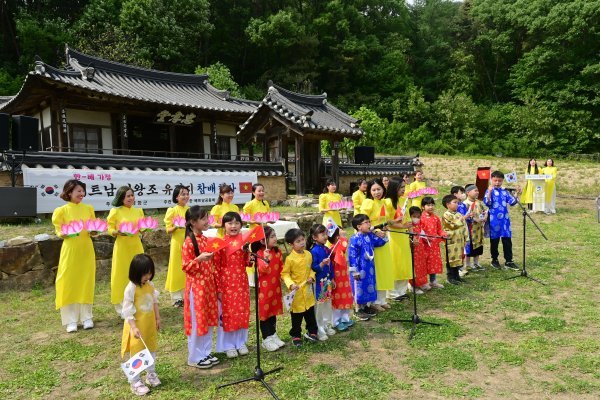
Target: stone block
{"points": [[103, 246], [50, 250], [156, 238], [103, 268], [44, 278], [17, 260], [18, 241], [160, 255]]}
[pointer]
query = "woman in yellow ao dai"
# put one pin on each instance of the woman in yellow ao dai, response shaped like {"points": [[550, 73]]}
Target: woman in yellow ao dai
{"points": [[550, 189], [329, 195], [175, 282], [126, 246], [359, 196], [418, 184], [76, 275], [223, 206], [380, 210]]}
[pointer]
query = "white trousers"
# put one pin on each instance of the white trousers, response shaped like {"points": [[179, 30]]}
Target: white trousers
{"points": [[324, 315], [340, 316], [381, 297], [75, 313], [198, 346], [551, 205], [230, 340], [399, 289]]}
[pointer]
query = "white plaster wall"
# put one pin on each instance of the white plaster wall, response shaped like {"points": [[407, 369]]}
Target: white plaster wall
{"points": [[75, 116], [46, 116], [226, 129], [233, 147], [107, 143], [206, 139]]}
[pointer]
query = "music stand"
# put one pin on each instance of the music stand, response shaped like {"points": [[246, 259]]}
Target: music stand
{"points": [[524, 272], [415, 319], [259, 374]]}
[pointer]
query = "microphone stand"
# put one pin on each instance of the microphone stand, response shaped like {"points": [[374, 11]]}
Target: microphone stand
{"points": [[416, 319], [259, 374], [523, 272]]}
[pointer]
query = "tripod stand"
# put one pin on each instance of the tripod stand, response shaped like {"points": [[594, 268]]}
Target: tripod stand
{"points": [[523, 272], [259, 374], [415, 319]]}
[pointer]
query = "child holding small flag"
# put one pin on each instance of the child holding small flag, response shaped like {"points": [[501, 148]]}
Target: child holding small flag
{"points": [[379, 210], [419, 252], [269, 285], [431, 224], [298, 276], [126, 246], [233, 290], [454, 224], [328, 196], [200, 310], [323, 267], [175, 282], [475, 223], [342, 300], [142, 319]]}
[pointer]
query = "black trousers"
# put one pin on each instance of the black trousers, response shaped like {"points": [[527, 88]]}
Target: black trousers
{"points": [[506, 247], [309, 319], [268, 327]]}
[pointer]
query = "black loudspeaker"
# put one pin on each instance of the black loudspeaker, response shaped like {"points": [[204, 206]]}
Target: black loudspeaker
{"points": [[364, 154], [4, 132], [18, 202], [25, 133]]}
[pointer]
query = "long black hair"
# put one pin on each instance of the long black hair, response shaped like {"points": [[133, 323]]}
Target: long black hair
{"points": [[375, 181], [392, 191], [194, 213], [254, 187], [535, 169], [314, 230]]}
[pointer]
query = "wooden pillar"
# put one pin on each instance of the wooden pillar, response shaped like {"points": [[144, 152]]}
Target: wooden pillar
{"points": [[265, 148], [172, 140], [251, 150], [335, 161], [300, 187]]}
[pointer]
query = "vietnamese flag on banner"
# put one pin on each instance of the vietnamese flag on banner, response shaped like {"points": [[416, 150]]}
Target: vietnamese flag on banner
{"points": [[245, 187], [483, 173], [254, 235], [215, 244]]}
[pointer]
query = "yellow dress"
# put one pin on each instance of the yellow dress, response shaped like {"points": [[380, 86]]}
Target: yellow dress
{"points": [[175, 275], [297, 270], [143, 299], [550, 183], [384, 269], [527, 193], [400, 247], [357, 199], [125, 248], [324, 200], [256, 206], [413, 187], [76, 275], [221, 209]]}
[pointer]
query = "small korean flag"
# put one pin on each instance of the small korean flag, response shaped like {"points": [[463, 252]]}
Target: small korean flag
{"points": [[511, 177], [138, 363], [331, 227]]}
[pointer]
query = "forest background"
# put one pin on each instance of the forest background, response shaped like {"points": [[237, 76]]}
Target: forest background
{"points": [[491, 77]]}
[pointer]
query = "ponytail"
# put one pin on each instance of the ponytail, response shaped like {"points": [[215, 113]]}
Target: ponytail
{"points": [[194, 213]]}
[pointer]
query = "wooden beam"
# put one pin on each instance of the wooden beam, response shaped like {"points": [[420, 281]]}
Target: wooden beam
{"points": [[300, 187]]}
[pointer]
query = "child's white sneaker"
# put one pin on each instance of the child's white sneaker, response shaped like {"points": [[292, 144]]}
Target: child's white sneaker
{"points": [[138, 388], [231, 353], [426, 286], [278, 342], [419, 291], [330, 331], [269, 344], [152, 379], [72, 327], [88, 324], [243, 350], [436, 285], [462, 272], [322, 336]]}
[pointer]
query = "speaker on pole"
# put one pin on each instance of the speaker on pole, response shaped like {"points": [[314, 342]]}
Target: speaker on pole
{"points": [[25, 133], [364, 154], [4, 132]]}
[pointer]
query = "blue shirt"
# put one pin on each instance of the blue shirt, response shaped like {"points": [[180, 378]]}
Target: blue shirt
{"points": [[319, 253], [499, 217]]}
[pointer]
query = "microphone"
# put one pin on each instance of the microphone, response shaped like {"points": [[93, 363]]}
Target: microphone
{"points": [[380, 226]]}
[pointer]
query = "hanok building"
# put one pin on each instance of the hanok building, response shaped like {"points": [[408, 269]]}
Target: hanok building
{"points": [[95, 113]]}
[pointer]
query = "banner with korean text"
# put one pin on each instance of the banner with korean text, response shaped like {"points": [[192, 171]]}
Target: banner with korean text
{"points": [[152, 189]]}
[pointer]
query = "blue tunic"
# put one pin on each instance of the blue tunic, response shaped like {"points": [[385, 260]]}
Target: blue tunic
{"points": [[462, 208], [319, 253], [361, 252], [499, 217]]}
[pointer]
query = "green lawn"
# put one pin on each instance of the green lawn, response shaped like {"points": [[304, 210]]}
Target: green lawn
{"points": [[514, 339]]}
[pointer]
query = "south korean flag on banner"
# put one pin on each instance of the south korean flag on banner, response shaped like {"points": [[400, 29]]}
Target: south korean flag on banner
{"points": [[138, 363]]}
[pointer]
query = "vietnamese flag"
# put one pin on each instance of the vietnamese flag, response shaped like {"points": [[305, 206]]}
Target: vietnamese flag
{"points": [[483, 173], [254, 235], [245, 187], [215, 244], [398, 213], [234, 244]]}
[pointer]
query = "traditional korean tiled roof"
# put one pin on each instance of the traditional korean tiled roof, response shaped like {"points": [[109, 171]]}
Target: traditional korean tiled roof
{"points": [[5, 99], [48, 159], [307, 113], [390, 166], [95, 74]]}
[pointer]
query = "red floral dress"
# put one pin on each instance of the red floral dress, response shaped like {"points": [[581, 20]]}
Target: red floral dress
{"points": [[232, 284], [427, 252], [269, 279], [200, 279], [342, 292]]}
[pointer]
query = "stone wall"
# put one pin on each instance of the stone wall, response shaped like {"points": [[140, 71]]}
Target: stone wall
{"points": [[26, 263], [274, 187]]}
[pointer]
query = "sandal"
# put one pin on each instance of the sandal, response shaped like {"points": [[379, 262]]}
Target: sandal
{"points": [[138, 388]]}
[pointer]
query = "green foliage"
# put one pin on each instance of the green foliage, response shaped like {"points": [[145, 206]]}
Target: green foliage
{"points": [[220, 77]]}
